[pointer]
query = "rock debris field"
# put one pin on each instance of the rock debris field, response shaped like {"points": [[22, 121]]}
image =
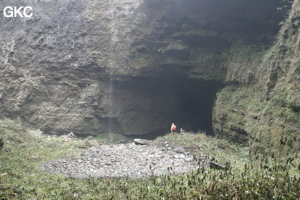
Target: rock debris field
{"points": [[124, 160]]}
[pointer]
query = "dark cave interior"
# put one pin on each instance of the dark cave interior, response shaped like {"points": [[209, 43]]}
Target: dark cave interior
{"points": [[195, 103], [185, 102]]}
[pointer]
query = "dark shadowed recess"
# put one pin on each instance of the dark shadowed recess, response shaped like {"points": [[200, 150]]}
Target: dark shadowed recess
{"points": [[190, 102]]}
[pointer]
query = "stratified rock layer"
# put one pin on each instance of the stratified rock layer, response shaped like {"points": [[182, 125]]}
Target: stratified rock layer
{"points": [[264, 108]]}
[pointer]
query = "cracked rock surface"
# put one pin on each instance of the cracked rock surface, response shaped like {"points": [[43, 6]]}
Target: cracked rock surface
{"points": [[124, 160]]}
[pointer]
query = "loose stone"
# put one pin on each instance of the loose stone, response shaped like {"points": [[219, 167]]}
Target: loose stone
{"points": [[123, 160]]}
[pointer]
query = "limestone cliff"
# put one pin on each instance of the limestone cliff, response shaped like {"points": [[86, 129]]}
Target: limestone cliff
{"points": [[264, 106], [136, 66]]}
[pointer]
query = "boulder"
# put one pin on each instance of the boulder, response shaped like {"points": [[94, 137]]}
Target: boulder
{"points": [[141, 141], [219, 166]]}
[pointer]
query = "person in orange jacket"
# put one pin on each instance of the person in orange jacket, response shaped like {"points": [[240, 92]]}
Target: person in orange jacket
{"points": [[173, 128]]}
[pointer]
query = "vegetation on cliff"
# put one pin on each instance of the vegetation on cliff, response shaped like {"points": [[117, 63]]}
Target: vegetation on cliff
{"points": [[260, 104]]}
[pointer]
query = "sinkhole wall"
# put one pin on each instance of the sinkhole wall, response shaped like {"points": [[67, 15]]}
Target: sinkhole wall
{"points": [[134, 66], [267, 110]]}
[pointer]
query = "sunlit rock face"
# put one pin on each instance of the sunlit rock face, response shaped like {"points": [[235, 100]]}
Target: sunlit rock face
{"points": [[129, 67]]}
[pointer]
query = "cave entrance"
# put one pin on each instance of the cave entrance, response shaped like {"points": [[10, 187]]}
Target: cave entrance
{"points": [[194, 112], [194, 101], [185, 102]]}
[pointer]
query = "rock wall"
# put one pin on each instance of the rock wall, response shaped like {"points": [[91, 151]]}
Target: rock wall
{"points": [[263, 104], [91, 66]]}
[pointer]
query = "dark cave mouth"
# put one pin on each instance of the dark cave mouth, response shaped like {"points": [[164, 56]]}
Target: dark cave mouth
{"points": [[189, 103], [194, 111]]}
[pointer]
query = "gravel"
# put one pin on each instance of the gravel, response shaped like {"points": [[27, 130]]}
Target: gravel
{"points": [[124, 160]]}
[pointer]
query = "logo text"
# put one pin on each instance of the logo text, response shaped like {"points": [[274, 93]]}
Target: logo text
{"points": [[10, 11]]}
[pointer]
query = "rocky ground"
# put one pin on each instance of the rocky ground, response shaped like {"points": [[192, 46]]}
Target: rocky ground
{"points": [[136, 159]]}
